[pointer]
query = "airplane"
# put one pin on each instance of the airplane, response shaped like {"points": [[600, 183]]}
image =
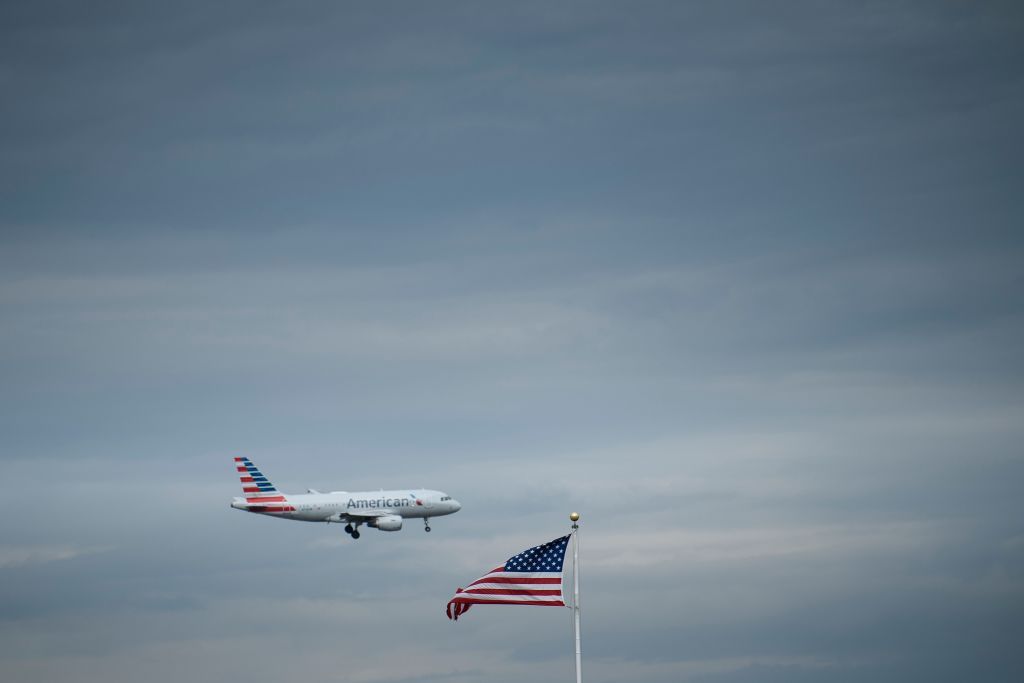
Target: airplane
{"points": [[383, 510]]}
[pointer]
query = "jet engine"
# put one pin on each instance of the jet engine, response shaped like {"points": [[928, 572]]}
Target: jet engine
{"points": [[386, 523]]}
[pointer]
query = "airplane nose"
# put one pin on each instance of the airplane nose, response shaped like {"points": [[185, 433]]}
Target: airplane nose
{"points": [[456, 506]]}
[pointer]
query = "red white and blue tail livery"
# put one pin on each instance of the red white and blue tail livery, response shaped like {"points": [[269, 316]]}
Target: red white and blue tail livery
{"points": [[383, 510], [260, 494]]}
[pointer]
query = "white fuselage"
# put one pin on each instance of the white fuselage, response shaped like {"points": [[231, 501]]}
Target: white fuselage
{"points": [[352, 507]]}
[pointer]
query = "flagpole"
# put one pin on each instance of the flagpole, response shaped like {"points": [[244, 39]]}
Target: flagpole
{"points": [[575, 517]]}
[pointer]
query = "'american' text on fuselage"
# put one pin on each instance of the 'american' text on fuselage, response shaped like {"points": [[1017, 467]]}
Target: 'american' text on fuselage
{"points": [[379, 503]]}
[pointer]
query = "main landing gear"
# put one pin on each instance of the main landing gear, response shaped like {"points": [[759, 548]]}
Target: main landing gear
{"points": [[352, 531], [426, 524]]}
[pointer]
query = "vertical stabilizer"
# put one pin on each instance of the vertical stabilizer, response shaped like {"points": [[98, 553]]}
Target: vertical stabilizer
{"points": [[255, 486]]}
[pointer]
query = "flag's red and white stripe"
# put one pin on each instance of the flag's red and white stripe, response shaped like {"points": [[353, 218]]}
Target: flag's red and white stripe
{"points": [[499, 587]]}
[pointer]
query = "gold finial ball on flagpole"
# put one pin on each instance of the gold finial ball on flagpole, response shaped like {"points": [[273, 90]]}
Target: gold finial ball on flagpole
{"points": [[574, 516]]}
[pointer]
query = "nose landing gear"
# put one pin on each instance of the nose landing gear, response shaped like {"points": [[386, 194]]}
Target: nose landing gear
{"points": [[426, 524]]}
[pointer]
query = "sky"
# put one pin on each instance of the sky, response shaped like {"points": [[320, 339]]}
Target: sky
{"points": [[741, 282]]}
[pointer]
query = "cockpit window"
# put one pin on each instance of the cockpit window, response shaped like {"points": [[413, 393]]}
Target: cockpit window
{"points": [[446, 497]]}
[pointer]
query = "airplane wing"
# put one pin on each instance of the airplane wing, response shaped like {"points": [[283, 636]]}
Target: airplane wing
{"points": [[368, 513]]}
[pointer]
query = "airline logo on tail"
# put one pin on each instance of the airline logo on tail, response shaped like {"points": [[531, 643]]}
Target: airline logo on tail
{"points": [[258, 489]]}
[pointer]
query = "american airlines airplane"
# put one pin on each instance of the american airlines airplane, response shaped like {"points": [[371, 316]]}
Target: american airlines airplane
{"points": [[383, 510]]}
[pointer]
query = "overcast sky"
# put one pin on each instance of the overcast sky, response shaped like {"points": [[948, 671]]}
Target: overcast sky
{"points": [[742, 282]]}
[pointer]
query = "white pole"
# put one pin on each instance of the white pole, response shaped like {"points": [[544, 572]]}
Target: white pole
{"points": [[576, 589]]}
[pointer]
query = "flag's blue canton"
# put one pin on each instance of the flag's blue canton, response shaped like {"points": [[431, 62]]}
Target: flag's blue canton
{"points": [[544, 558]]}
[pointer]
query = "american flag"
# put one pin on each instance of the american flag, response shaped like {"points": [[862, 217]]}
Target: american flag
{"points": [[533, 577]]}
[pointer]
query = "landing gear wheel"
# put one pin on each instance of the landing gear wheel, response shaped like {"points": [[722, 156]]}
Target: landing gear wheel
{"points": [[426, 524], [426, 528], [348, 529], [355, 534]]}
